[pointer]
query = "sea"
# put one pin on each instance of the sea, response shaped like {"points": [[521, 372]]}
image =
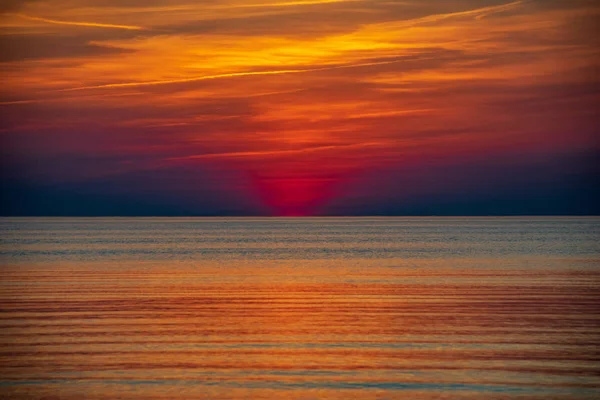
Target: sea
{"points": [[300, 308]]}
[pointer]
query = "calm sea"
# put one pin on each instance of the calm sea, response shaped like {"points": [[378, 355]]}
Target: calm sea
{"points": [[300, 308]]}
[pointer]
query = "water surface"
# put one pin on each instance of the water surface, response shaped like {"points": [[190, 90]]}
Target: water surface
{"points": [[300, 308]]}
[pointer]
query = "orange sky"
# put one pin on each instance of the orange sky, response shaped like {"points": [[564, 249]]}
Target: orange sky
{"points": [[294, 107]]}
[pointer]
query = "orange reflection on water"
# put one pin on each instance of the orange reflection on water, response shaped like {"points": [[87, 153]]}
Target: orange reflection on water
{"points": [[294, 330]]}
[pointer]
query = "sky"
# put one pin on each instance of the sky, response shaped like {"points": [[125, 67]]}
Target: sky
{"points": [[299, 107]]}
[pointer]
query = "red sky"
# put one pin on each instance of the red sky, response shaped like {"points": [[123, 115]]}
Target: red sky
{"points": [[315, 107]]}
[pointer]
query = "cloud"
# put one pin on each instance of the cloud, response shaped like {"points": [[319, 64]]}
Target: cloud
{"points": [[289, 3], [29, 47], [230, 75], [12, 5], [79, 23], [295, 91], [275, 153]]}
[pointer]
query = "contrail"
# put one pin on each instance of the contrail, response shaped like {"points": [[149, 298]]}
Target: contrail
{"points": [[182, 80], [230, 75], [289, 3], [244, 154], [221, 76], [61, 99], [501, 8], [88, 24], [95, 96], [478, 13]]}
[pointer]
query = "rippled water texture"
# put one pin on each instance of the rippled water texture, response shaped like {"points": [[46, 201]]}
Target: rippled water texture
{"points": [[341, 308]]}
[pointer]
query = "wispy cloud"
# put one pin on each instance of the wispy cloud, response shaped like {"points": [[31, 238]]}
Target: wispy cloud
{"points": [[229, 75], [275, 153], [79, 23], [80, 98], [478, 13], [290, 3]]}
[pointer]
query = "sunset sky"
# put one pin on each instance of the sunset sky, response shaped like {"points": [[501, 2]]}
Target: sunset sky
{"points": [[301, 107]]}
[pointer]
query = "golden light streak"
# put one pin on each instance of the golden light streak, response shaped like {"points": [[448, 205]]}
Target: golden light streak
{"points": [[477, 12], [380, 114], [66, 99], [499, 9], [182, 96], [230, 75], [290, 3], [76, 23], [250, 154]]}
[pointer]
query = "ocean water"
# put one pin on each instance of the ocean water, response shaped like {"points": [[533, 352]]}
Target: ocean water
{"points": [[300, 308]]}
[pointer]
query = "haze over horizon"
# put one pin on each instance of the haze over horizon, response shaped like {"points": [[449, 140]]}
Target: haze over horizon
{"points": [[290, 108]]}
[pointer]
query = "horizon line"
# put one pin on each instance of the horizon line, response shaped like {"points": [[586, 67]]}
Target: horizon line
{"points": [[313, 216]]}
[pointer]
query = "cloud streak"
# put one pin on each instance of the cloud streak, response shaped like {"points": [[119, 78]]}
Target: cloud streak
{"points": [[79, 23], [291, 3], [275, 153], [229, 75], [478, 13]]}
